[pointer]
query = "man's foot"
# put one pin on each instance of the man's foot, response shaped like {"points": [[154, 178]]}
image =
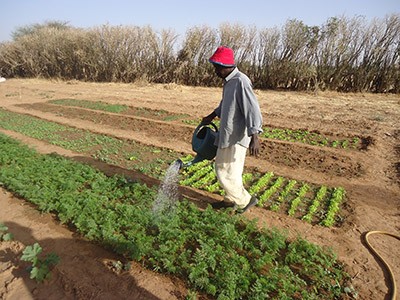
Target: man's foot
{"points": [[222, 204], [253, 202]]}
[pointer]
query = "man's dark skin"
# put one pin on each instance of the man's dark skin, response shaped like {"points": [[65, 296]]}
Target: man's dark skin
{"points": [[223, 72]]}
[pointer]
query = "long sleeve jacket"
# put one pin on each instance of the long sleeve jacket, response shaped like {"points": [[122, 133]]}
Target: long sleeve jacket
{"points": [[239, 111]]}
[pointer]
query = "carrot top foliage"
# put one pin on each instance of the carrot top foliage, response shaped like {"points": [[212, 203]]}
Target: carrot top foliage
{"points": [[226, 256]]}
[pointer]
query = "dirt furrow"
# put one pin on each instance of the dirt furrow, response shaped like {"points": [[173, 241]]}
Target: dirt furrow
{"points": [[330, 162]]}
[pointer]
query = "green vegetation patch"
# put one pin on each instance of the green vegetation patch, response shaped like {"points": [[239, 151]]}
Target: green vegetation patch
{"points": [[41, 265], [309, 137], [283, 134], [4, 234], [310, 202], [128, 154], [96, 105], [223, 255], [158, 114]]}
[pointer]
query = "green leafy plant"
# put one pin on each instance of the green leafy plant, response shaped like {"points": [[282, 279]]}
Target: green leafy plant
{"points": [[334, 206], [261, 183], [240, 260], [307, 137], [283, 195], [315, 204], [4, 235], [296, 201], [41, 266], [96, 105], [284, 134], [156, 160], [272, 190]]}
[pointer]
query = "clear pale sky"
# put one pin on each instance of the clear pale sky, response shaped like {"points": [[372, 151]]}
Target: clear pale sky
{"points": [[183, 14]]}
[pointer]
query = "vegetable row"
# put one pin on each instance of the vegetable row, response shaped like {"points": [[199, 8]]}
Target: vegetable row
{"points": [[225, 256], [284, 134], [309, 202], [277, 194]]}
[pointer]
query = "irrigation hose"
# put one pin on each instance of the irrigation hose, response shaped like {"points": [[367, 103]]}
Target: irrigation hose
{"points": [[392, 279]]}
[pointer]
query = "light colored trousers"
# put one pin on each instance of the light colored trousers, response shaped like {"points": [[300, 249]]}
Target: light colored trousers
{"points": [[229, 164]]}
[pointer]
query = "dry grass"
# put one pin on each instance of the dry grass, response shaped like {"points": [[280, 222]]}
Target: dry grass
{"points": [[344, 54]]}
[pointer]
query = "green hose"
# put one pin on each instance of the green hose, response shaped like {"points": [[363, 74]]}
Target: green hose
{"points": [[392, 279]]}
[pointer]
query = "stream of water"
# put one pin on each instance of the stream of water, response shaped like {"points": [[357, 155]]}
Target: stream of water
{"points": [[168, 194]]}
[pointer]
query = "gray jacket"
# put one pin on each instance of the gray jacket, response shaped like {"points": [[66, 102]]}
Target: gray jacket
{"points": [[239, 111]]}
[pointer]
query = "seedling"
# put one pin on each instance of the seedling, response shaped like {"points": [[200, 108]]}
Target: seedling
{"points": [[41, 267], [4, 235]]}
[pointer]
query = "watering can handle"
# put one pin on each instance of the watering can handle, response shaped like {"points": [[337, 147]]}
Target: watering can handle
{"points": [[201, 125]]}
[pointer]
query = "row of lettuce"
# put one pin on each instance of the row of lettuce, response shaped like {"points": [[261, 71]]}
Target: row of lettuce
{"points": [[222, 255], [316, 204], [283, 134]]}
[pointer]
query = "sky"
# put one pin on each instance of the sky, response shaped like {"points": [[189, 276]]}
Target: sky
{"points": [[181, 15]]}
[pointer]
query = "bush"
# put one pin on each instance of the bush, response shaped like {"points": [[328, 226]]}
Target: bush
{"points": [[343, 54]]}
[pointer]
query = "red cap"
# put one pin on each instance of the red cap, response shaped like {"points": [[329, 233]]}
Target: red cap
{"points": [[223, 56]]}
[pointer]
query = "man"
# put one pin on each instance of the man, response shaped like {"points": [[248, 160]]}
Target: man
{"points": [[240, 124]]}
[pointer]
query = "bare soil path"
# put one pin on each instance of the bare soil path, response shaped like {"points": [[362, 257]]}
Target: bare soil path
{"points": [[370, 177]]}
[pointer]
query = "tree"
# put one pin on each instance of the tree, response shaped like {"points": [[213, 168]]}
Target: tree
{"points": [[33, 28]]}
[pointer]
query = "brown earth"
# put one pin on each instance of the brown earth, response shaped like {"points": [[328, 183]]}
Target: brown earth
{"points": [[371, 177]]}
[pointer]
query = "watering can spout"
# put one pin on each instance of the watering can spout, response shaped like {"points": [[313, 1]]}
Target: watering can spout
{"points": [[182, 165], [203, 144]]}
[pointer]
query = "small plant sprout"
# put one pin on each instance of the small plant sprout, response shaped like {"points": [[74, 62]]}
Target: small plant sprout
{"points": [[4, 235], [41, 266]]}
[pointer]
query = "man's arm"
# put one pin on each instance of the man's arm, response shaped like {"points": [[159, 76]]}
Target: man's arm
{"points": [[216, 113], [250, 108], [208, 119]]}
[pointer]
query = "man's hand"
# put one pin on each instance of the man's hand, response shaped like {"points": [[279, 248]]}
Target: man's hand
{"points": [[208, 119], [254, 145]]}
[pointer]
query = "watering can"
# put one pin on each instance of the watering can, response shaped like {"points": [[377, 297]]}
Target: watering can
{"points": [[202, 143]]}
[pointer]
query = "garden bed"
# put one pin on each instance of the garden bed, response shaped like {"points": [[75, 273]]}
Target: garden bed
{"points": [[368, 174]]}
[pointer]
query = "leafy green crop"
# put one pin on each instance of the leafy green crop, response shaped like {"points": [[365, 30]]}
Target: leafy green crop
{"points": [[118, 108], [334, 206], [97, 105], [275, 193], [315, 204], [284, 134], [4, 235], [41, 266], [228, 257], [102, 147], [308, 137]]}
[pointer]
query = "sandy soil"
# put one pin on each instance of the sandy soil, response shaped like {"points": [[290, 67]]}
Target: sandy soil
{"points": [[371, 177]]}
